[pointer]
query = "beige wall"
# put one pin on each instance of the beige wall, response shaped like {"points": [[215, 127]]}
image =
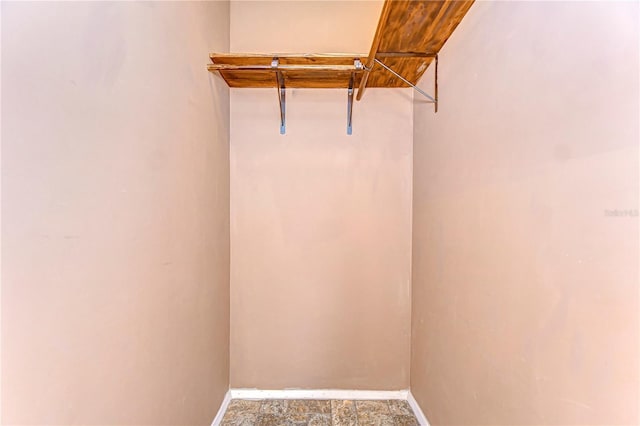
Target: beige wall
{"points": [[115, 213], [320, 228], [525, 293]]}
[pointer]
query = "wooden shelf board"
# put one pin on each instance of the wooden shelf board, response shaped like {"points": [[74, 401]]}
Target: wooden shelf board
{"points": [[410, 26], [299, 71]]}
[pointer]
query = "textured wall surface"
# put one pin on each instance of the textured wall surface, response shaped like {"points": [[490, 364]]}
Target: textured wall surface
{"points": [[115, 210], [321, 221], [525, 286]]}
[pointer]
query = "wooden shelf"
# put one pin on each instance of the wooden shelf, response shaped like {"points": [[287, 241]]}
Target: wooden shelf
{"points": [[407, 27], [324, 71]]}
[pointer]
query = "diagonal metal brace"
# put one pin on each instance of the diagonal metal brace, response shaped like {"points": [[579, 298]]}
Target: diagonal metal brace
{"points": [[433, 100], [281, 95], [350, 104]]}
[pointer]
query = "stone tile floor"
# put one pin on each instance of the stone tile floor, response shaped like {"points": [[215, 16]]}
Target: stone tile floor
{"points": [[280, 412]]}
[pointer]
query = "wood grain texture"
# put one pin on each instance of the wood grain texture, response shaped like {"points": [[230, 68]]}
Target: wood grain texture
{"points": [[411, 26], [405, 26], [324, 71]]}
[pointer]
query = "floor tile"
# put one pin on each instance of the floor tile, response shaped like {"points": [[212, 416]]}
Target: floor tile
{"points": [[369, 418], [243, 406], [374, 413], [239, 419], [274, 406], [320, 419], [310, 406], [272, 420], [378, 407], [297, 419], [405, 420], [343, 413], [308, 419], [399, 407]]}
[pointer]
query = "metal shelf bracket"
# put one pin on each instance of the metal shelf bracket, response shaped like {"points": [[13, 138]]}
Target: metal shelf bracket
{"points": [[431, 99], [281, 95], [350, 104], [280, 86]]}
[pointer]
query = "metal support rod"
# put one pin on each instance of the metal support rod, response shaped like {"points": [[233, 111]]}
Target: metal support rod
{"points": [[422, 92], [436, 84], [350, 104], [281, 95], [282, 92], [405, 55], [336, 68]]}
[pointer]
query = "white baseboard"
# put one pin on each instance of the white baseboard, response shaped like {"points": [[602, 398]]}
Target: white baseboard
{"points": [[223, 408], [422, 419], [316, 394]]}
